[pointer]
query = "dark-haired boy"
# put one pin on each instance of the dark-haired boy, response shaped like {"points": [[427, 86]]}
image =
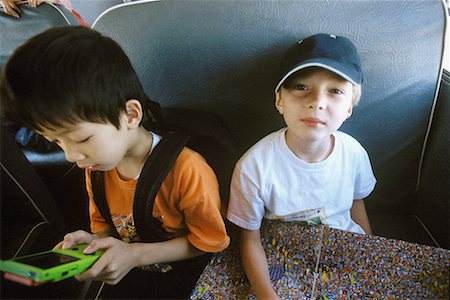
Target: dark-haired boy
{"points": [[78, 89]]}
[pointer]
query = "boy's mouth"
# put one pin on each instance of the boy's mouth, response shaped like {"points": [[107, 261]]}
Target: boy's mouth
{"points": [[313, 122], [91, 167]]}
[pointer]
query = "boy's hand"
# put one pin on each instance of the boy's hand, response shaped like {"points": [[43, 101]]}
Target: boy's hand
{"points": [[36, 3], [74, 238], [118, 259], [10, 8]]}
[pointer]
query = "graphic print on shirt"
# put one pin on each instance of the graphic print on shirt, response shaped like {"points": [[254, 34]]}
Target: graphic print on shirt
{"points": [[313, 217], [125, 227]]}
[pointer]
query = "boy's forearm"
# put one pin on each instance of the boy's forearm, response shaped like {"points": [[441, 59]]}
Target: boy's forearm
{"points": [[255, 265], [164, 252], [359, 215]]}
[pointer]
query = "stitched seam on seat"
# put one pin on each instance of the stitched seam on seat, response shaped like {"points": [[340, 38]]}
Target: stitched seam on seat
{"points": [[428, 232], [117, 6], [433, 107], [25, 193], [61, 13], [99, 291], [27, 237]]}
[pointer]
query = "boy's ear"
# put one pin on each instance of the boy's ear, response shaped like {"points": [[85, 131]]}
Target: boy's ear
{"points": [[134, 113], [279, 102], [350, 111]]}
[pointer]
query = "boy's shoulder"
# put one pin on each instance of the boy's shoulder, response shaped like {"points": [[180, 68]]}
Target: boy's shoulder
{"points": [[348, 142], [189, 157], [190, 162], [270, 139], [262, 152], [345, 137]]}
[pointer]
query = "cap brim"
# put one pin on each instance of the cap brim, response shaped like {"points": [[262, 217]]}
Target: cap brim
{"points": [[336, 67]]}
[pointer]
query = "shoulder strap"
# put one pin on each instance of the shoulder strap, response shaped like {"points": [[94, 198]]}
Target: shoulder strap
{"points": [[98, 191], [152, 176]]}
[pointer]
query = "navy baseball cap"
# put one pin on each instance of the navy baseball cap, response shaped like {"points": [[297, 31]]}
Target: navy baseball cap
{"points": [[335, 53]]}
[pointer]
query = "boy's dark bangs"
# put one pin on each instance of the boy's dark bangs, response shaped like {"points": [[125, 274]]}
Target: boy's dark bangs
{"points": [[52, 85]]}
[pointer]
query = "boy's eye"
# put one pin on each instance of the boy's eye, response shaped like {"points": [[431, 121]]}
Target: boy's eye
{"points": [[300, 87], [84, 140], [336, 91]]}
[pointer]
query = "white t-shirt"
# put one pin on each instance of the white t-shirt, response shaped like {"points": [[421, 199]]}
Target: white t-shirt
{"points": [[270, 181]]}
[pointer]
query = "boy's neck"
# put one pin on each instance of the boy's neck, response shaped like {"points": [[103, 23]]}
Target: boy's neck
{"points": [[311, 151], [131, 165]]}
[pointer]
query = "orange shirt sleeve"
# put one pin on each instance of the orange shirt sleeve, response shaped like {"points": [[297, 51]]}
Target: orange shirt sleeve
{"points": [[192, 191]]}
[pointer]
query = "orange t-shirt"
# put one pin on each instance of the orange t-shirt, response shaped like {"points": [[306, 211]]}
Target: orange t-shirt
{"points": [[188, 203]]}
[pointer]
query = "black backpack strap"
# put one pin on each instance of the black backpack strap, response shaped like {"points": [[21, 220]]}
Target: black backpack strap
{"points": [[98, 191], [152, 176]]}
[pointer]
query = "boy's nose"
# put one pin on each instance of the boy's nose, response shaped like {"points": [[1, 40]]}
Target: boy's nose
{"points": [[317, 101], [73, 156]]}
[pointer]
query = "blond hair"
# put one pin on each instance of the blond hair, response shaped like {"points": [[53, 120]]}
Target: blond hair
{"points": [[356, 94]]}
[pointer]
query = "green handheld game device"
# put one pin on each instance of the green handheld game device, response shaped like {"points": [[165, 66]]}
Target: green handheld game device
{"points": [[49, 266]]}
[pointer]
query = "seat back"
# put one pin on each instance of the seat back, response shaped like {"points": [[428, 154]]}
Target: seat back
{"points": [[433, 195], [33, 20], [30, 216], [25, 198], [31, 220], [89, 10], [222, 56], [28, 167]]}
